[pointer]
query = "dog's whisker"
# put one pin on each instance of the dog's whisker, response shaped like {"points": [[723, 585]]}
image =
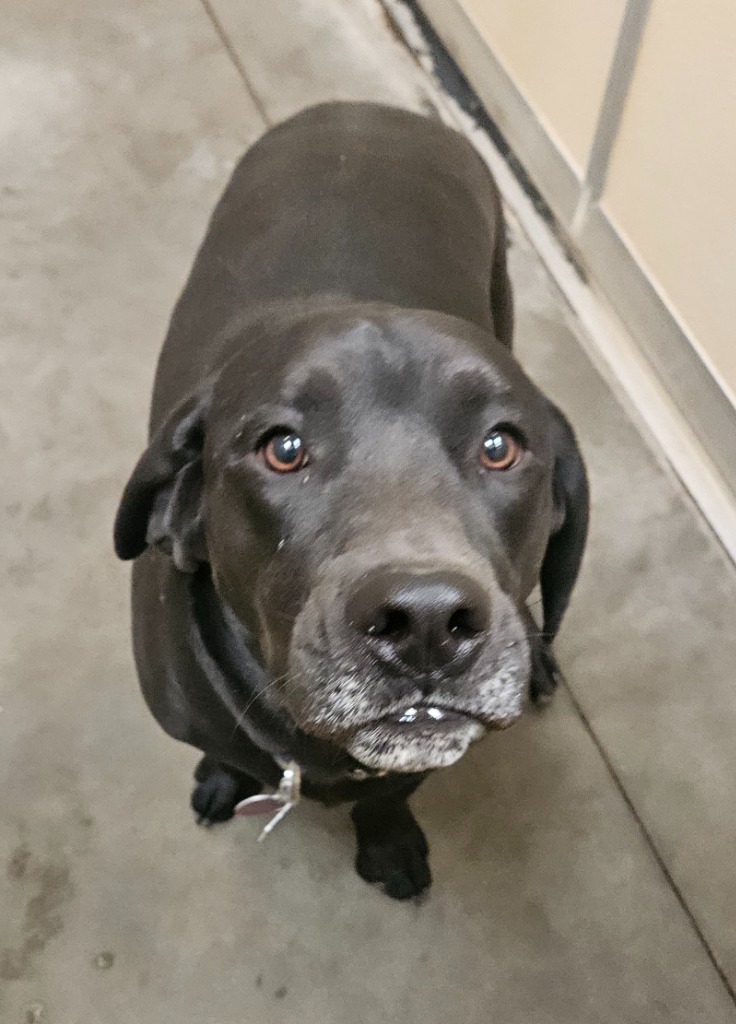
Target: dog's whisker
{"points": [[271, 684]]}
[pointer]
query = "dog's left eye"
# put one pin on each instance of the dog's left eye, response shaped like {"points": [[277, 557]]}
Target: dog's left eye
{"points": [[284, 453]]}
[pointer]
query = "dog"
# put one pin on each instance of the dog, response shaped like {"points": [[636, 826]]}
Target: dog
{"points": [[351, 487]]}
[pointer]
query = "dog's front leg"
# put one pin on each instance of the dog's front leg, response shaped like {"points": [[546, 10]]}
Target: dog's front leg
{"points": [[219, 789], [392, 849]]}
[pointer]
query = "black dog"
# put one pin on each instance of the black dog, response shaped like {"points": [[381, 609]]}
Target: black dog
{"points": [[351, 488]]}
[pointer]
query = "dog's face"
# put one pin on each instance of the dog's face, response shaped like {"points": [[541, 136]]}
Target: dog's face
{"points": [[375, 497]]}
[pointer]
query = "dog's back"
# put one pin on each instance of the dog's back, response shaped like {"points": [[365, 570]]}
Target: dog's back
{"points": [[358, 200]]}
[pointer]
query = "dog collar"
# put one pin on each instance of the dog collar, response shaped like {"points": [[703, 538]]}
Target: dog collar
{"points": [[285, 796], [277, 804]]}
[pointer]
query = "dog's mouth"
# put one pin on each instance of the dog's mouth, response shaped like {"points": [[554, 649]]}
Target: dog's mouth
{"points": [[423, 718], [417, 739], [409, 724]]}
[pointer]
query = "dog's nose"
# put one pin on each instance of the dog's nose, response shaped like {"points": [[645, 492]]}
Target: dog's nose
{"points": [[421, 622]]}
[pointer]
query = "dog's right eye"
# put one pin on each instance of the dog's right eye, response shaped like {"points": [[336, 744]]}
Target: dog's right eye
{"points": [[500, 450], [284, 452]]}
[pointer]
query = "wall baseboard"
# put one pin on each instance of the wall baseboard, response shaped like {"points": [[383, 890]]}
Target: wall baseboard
{"points": [[515, 119]]}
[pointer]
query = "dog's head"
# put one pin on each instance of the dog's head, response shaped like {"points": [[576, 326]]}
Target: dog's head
{"points": [[376, 493]]}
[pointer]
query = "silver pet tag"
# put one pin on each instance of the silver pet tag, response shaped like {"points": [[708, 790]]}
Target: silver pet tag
{"points": [[277, 804]]}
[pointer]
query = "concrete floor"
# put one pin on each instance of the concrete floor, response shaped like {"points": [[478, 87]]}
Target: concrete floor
{"points": [[583, 862]]}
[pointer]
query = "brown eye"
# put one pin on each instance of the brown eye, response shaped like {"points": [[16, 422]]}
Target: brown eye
{"points": [[500, 450], [284, 453]]}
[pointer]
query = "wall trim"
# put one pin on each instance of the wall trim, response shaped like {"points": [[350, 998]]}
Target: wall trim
{"points": [[620, 74], [512, 114]]}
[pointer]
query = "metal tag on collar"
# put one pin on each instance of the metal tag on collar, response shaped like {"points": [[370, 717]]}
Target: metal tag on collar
{"points": [[277, 804]]}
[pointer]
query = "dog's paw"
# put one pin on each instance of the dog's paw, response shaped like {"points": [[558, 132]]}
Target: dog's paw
{"points": [[402, 869], [545, 675], [398, 861], [218, 791]]}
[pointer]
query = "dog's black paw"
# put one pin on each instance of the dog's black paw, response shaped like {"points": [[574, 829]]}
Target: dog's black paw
{"points": [[219, 789], [545, 677], [402, 869], [394, 856]]}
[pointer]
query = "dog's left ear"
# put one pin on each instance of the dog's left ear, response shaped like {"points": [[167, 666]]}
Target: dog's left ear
{"points": [[162, 501], [565, 548]]}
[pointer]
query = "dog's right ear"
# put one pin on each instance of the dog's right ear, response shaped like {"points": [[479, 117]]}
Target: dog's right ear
{"points": [[566, 545], [162, 501]]}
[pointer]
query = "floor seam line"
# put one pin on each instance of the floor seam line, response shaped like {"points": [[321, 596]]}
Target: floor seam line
{"points": [[236, 62], [652, 846]]}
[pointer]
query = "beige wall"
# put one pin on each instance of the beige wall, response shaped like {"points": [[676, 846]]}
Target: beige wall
{"points": [[558, 52], [671, 188]]}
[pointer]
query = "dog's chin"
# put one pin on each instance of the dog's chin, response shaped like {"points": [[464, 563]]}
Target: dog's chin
{"points": [[393, 746]]}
